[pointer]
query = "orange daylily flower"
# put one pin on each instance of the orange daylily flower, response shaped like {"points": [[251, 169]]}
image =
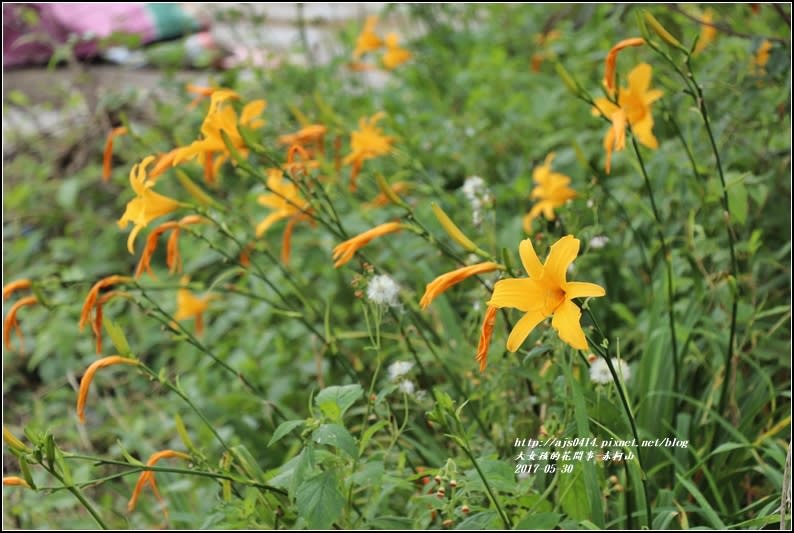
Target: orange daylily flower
{"points": [[761, 58], [15, 481], [10, 323], [546, 292], [93, 294], [450, 279], [708, 33], [368, 41], [345, 251], [221, 117], [107, 156], [395, 56], [146, 206], [485, 337], [551, 190], [11, 288], [612, 57], [164, 162], [88, 377], [189, 305], [200, 92], [367, 143], [284, 199], [634, 109], [148, 478], [172, 258]]}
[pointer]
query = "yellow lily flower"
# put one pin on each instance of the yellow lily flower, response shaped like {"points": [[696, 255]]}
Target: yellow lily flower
{"points": [[285, 200], [368, 41], [546, 292], [395, 56], [146, 206], [367, 143], [189, 305], [708, 33], [221, 117], [552, 191], [761, 58], [634, 108]]}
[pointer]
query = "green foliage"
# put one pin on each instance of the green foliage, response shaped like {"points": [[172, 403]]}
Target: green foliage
{"points": [[322, 397]]}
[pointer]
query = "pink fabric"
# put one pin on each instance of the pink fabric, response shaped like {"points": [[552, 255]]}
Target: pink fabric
{"points": [[58, 21]]}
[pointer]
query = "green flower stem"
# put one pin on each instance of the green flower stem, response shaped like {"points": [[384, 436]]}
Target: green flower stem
{"points": [[505, 519], [604, 353], [168, 321], [668, 261], [136, 468], [701, 101], [79, 495], [178, 391]]}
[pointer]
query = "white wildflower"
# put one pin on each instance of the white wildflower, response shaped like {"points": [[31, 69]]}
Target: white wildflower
{"points": [[599, 242], [599, 370], [398, 369], [477, 193], [407, 386], [383, 290]]}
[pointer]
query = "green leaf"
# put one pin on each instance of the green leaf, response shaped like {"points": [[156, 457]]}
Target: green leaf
{"points": [[334, 401], [117, 337], [484, 520], [319, 500], [539, 521], [284, 429], [368, 434], [336, 436]]}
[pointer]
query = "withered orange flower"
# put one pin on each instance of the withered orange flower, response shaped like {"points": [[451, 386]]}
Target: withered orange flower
{"points": [[148, 478], [345, 251], [445, 281], [299, 166], [485, 337], [172, 259], [612, 58], [107, 156], [93, 294], [96, 324], [15, 481], [88, 377], [14, 286], [10, 323]]}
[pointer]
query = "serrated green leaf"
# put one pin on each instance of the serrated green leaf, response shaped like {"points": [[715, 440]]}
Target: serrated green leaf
{"points": [[319, 501], [484, 520]]}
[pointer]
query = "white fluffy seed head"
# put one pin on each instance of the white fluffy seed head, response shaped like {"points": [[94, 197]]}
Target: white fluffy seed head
{"points": [[383, 290], [599, 371]]}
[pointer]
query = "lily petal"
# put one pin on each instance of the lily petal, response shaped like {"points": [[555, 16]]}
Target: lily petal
{"points": [[523, 328], [562, 254], [581, 289], [529, 258], [566, 322], [523, 294]]}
